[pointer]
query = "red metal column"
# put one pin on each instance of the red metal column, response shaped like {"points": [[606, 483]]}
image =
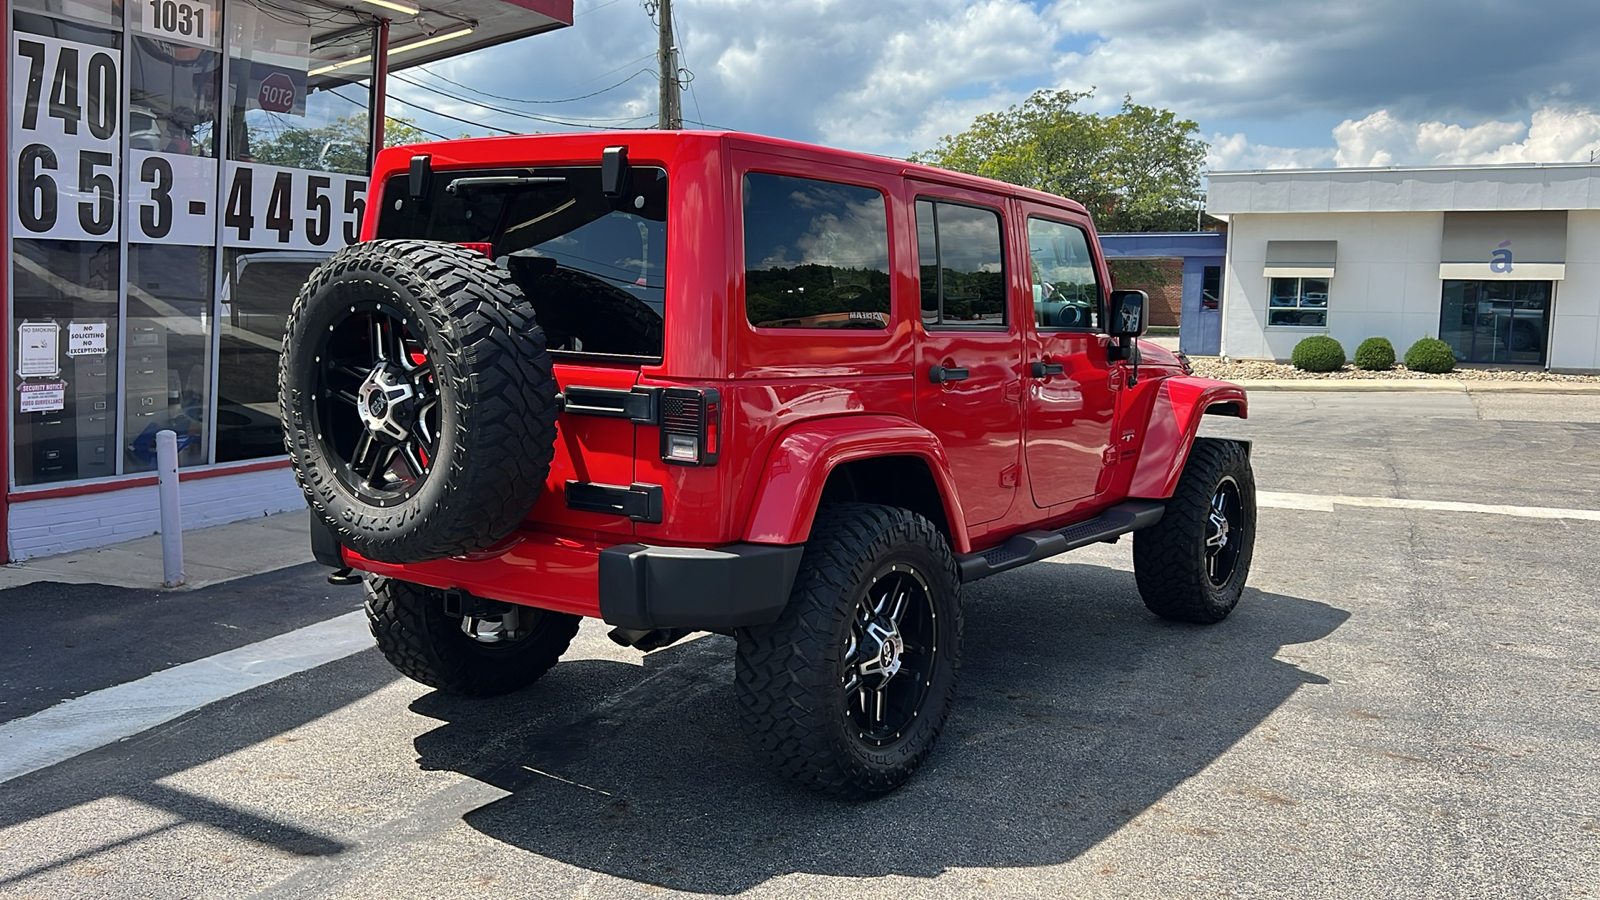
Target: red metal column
{"points": [[380, 90], [5, 282]]}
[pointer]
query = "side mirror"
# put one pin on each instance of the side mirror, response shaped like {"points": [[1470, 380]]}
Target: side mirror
{"points": [[1128, 313]]}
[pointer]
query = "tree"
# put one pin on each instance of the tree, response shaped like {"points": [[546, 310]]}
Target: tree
{"points": [[339, 146], [1138, 170]]}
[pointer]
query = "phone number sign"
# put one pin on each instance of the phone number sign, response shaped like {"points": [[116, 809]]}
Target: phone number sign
{"points": [[65, 140], [267, 207]]}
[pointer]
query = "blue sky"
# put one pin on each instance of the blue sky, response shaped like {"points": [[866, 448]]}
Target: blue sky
{"points": [[1271, 83]]}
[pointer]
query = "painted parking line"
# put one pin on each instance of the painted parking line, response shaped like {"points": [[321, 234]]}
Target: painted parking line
{"points": [[94, 720], [1326, 503]]}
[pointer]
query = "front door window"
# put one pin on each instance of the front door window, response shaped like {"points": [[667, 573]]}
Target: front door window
{"points": [[1496, 321]]}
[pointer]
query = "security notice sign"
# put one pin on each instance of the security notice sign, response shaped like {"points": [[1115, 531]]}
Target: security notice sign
{"points": [[65, 118], [42, 396]]}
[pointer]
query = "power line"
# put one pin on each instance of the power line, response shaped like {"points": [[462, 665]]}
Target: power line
{"points": [[594, 9], [582, 123], [616, 70], [520, 100], [409, 124], [434, 112]]}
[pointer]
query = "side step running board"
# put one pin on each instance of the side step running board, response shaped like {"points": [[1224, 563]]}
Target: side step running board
{"points": [[1032, 546]]}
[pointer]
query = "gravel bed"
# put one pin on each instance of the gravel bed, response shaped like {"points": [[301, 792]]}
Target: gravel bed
{"points": [[1249, 369]]}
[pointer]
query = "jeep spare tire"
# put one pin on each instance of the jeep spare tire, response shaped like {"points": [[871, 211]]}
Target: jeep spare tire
{"points": [[417, 398]]}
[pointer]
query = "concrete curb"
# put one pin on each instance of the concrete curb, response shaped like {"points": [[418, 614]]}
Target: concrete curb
{"points": [[1421, 385]]}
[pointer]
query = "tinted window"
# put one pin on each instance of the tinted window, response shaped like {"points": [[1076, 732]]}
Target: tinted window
{"points": [[816, 254], [962, 265], [594, 268], [1066, 289]]}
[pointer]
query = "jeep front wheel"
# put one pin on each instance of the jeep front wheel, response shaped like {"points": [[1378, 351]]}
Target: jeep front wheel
{"points": [[847, 692], [1191, 566]]}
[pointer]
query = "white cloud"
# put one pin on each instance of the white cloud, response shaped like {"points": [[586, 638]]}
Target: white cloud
{"points": [[1382, 139], [1233, 152], [1552, 135], [893, 76]]}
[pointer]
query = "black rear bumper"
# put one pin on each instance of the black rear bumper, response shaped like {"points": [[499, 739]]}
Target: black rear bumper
{"points": [[648, 587]]}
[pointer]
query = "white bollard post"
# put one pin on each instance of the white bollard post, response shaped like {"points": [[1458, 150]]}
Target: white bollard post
{"points": [[171, 520]]}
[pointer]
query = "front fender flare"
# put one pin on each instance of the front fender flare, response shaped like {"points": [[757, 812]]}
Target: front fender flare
{"points": [[1175, 414], [805, 455]]}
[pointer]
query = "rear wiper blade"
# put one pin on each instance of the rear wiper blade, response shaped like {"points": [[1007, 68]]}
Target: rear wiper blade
{"points": [[457, 185]]}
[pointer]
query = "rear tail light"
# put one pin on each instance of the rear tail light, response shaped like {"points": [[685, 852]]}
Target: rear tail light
{"points": [[690, 432], [485, 248]]}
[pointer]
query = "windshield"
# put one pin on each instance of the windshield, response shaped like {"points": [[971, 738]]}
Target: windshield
{"points": [[593, 267]]}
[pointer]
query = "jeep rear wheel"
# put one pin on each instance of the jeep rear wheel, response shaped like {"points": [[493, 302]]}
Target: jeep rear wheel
{"points": [[418, 400], [1192, 565], [848, 691], [474, 656]]}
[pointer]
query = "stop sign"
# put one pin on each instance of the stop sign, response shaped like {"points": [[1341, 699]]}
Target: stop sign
{"points": [[277, 93]]}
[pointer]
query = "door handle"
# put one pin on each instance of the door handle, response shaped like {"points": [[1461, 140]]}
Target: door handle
{"points": [[1046, 369], [945, 374]]}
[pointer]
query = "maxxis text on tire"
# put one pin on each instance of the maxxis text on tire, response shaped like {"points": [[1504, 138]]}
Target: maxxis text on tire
{"points": [[1192, 565], [417, 398], [820, 698], [425, 645]]}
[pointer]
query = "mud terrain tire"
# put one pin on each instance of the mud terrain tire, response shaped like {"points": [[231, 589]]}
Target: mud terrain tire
{"points": [[804, 682], [466, 341], [1188, 567], [425, 645]]}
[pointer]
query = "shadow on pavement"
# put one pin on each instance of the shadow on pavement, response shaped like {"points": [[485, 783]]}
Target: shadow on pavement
{"points": [[1076, 711], [134, 768]]}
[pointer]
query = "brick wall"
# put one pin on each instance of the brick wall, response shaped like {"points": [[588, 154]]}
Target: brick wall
{"points": [[1166, 299]]}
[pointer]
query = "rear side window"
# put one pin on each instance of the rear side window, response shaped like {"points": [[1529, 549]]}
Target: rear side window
{"points": [[962, 266], [1066, 290], [593, 267], [816, 254]]}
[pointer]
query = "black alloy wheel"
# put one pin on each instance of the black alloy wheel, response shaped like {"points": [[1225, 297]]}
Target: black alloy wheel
{"points": [[380, 417], [890, 655], [1224, 532]]}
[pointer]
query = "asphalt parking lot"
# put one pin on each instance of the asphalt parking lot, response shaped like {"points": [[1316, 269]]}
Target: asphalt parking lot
{"points": [[1405, 704]]}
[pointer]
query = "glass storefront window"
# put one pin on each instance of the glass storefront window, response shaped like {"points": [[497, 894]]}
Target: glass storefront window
{"points": [[167, 377], [296, 103], [1496, 321], [165, 208], [65, 321], [66, 265], [294, 190], [258, 288]]}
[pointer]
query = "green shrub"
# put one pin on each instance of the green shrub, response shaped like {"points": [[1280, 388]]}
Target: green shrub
{"points": [[1375, 354], [1430, 355], [1318, 353]]}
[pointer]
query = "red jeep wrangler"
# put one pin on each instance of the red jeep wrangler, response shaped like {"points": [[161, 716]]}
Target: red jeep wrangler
{"points": [[716, 382]]}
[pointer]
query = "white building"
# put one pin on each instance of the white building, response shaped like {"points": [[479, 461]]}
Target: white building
{"points": [[1502, 262]]}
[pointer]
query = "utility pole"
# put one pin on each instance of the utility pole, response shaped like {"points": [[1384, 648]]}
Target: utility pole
{"points": [[667, 61]]}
